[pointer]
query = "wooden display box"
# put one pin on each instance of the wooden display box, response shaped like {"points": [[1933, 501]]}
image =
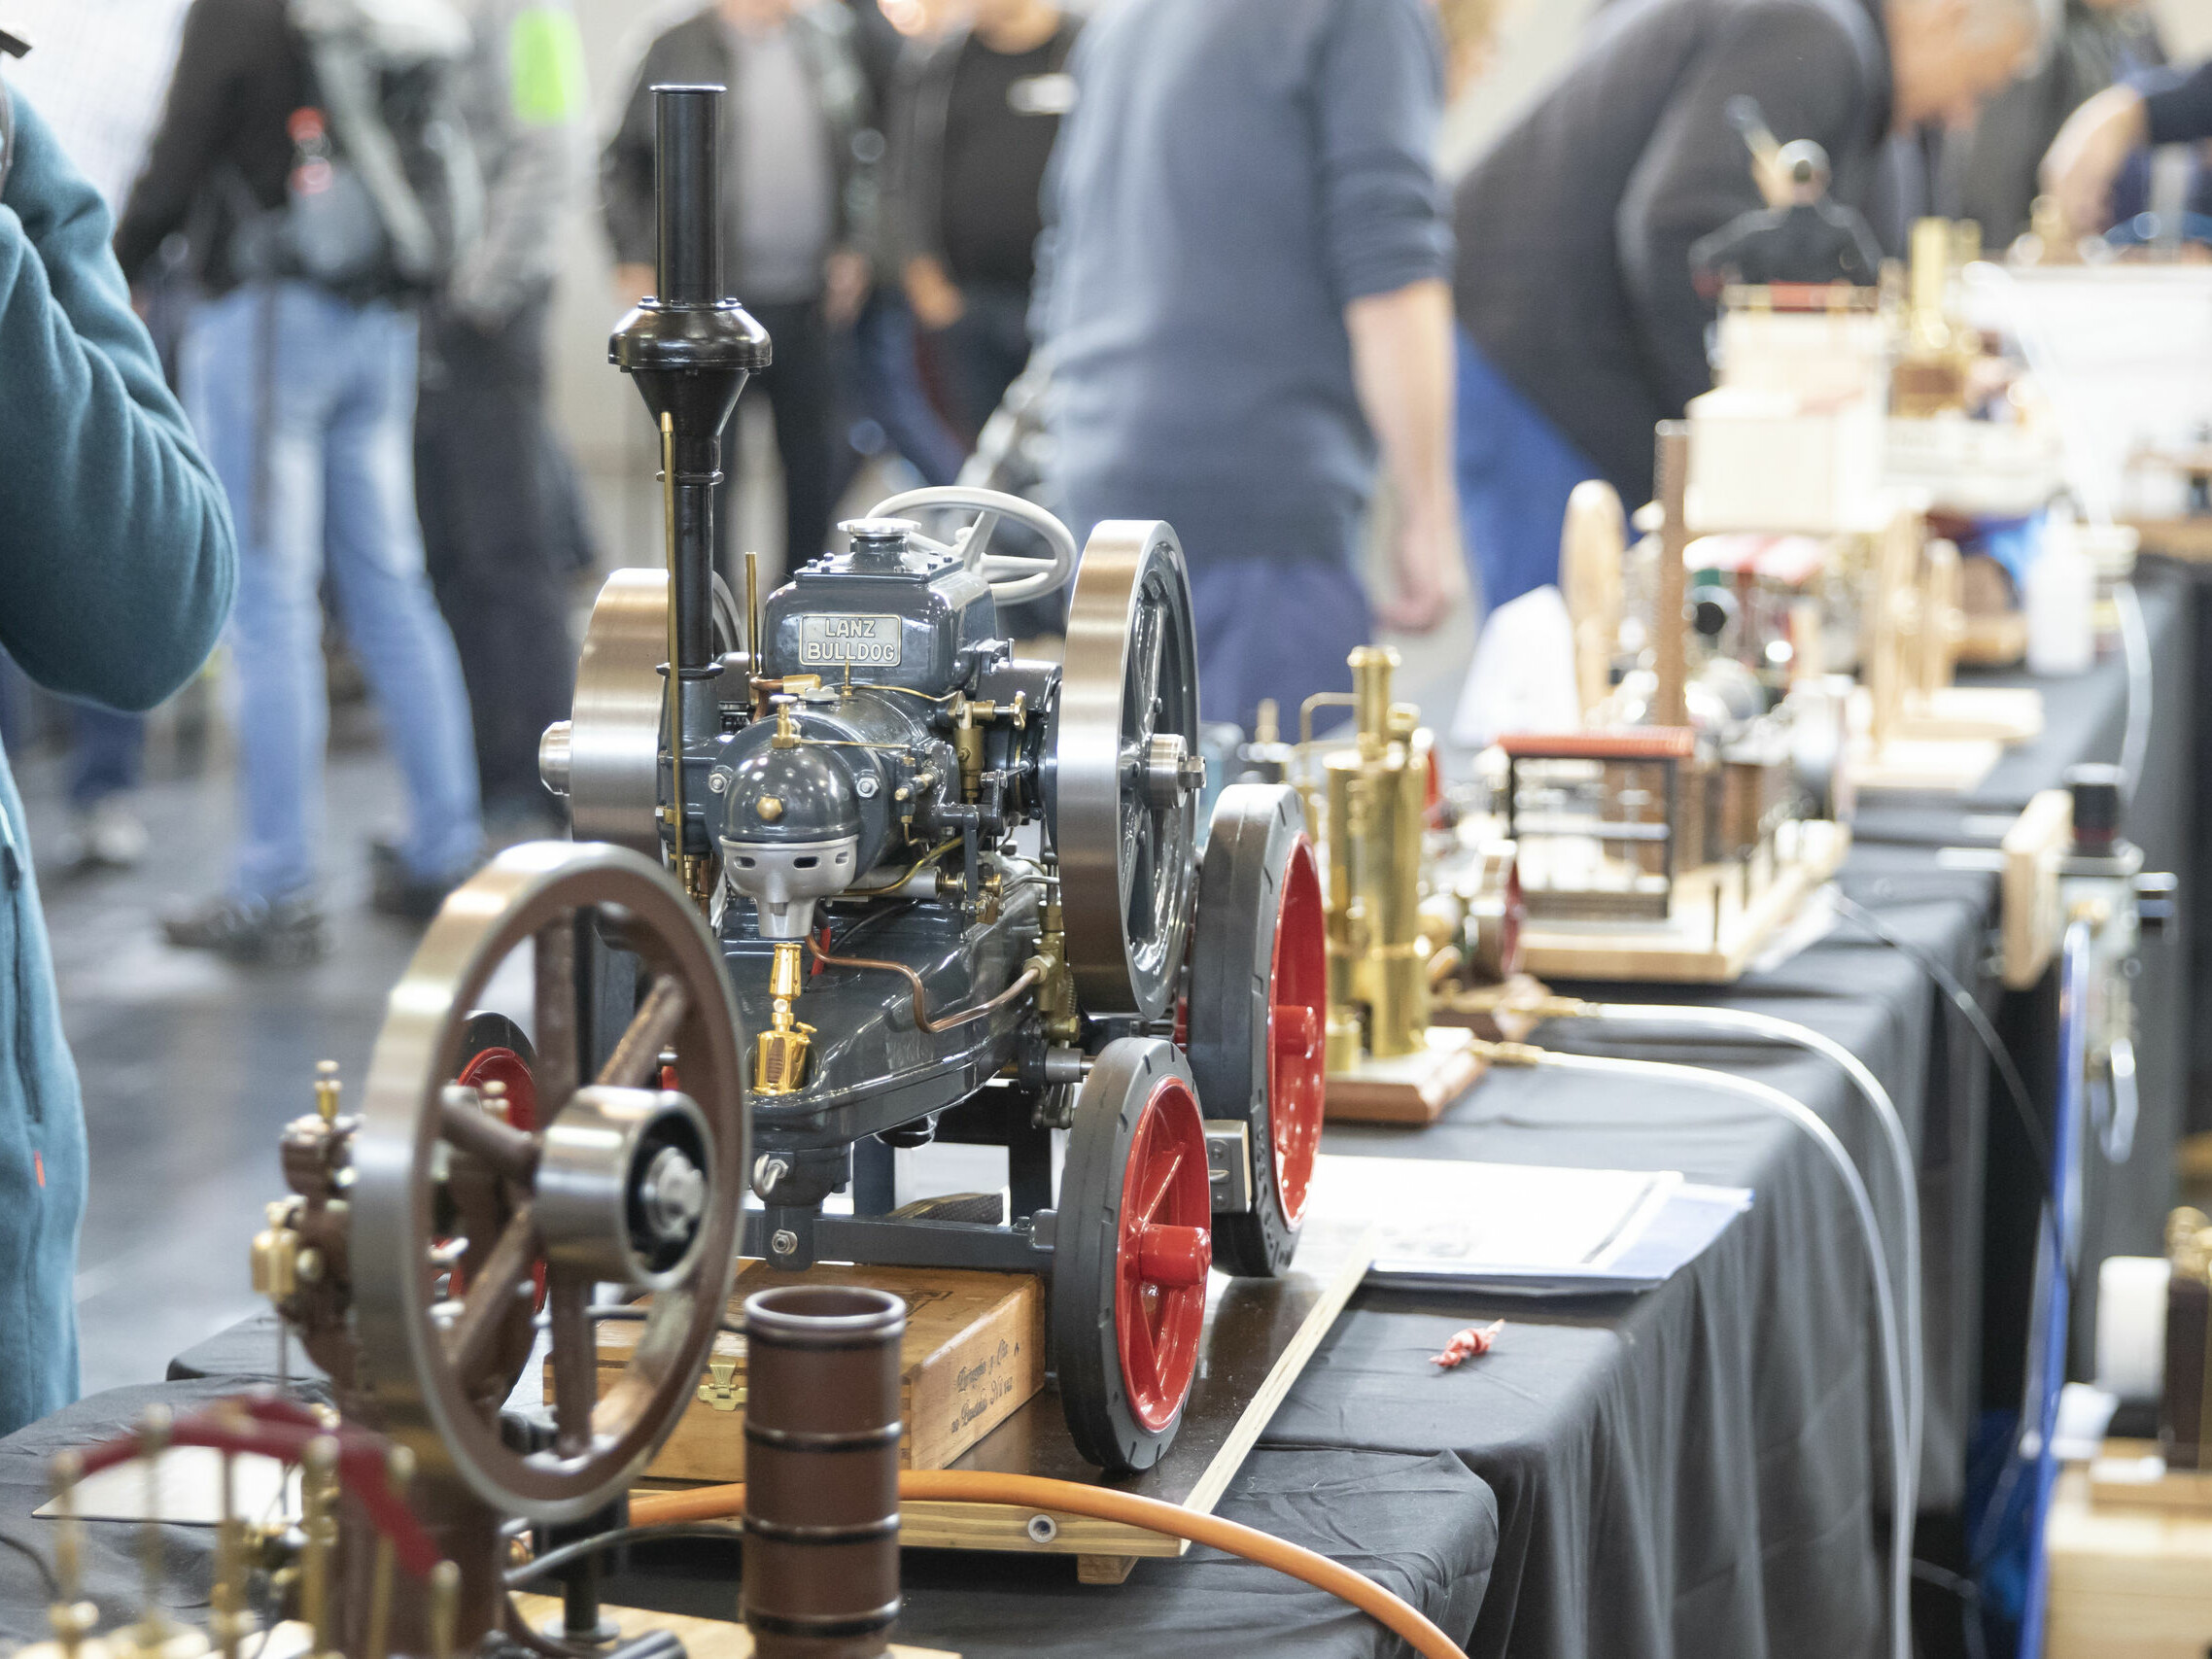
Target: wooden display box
{"points": [[973, 1354]]}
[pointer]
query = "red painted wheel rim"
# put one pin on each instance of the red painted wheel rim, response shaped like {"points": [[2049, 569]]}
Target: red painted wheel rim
{"points": [[1162, 1256], [509, 1069], [1298, 1026]]}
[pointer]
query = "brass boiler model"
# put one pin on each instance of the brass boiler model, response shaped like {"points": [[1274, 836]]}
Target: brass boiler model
{"points": [[1378, 804]]}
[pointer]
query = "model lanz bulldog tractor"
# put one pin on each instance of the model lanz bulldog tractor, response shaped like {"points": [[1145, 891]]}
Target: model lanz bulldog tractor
{"points": [[922, 889]]}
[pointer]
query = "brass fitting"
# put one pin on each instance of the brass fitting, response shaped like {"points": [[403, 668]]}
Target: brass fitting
{"points": [[328, 1089], [968, 744], [1055, 985], [780, 1053]]}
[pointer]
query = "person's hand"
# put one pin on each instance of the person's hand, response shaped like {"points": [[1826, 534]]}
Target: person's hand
{"points": [[632, 283], [936, 301], [1427, 576], [844, 286], [2086, 158]]}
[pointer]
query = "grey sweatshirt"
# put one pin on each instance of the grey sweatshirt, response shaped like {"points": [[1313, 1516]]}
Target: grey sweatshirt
{"points": [[1234, 173]]}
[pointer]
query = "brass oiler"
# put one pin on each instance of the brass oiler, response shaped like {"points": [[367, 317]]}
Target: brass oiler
{"points": [[1378, 798], [780, 1053]]}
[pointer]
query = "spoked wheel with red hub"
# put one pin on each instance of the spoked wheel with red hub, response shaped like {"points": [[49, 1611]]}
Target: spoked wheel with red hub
{"points": [[1259, 1003], [1128, 1298]]}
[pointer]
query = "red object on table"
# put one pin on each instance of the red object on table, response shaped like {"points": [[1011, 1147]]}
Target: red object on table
{"points": [[1468, 1345]]}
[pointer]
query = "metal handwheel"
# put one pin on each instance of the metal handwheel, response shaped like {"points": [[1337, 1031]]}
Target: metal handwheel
{"points": [[457, 1212]]}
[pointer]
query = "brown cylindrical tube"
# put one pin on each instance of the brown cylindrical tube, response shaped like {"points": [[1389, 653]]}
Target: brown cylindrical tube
{"points": [[822, 1427]]}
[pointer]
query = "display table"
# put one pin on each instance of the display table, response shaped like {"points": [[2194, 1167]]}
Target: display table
{"points": [[1693, 1470]]}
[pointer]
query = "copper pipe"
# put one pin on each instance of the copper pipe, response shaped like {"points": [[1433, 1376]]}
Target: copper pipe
{"points": [[1070, 1498], [921, 1018]]}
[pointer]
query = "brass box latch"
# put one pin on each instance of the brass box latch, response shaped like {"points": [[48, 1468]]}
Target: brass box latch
{"points": [[721, 1390]]}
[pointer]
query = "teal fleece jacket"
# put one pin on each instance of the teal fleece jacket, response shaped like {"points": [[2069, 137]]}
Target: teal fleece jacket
{"points": [[117, 562]]}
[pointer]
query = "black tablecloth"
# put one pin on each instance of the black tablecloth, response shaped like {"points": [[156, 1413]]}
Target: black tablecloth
{"points": [[1897, 837]]}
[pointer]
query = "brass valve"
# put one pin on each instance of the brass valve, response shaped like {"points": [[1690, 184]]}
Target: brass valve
{"points": [[780, 1053]]}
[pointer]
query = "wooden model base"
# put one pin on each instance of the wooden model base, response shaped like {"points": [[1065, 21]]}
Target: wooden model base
{"points": [[1953, 713], [1926, 765], [1406, 1088], [1711, 932], [1259, 1335], [2130, 1560], [1418, 1089], [703, 1639]]}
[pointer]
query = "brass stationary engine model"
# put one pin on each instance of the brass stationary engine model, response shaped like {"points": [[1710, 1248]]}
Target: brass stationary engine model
{"points": [[1401, 916]]}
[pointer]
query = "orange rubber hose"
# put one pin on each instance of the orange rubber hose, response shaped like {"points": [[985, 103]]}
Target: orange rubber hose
{"points": [[1069, 1498]]}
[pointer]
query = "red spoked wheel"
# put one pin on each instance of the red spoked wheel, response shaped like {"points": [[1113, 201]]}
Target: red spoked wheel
{"points": [[1128, 1298], [1297, 1029], [495, 1048], [1258, 996]]}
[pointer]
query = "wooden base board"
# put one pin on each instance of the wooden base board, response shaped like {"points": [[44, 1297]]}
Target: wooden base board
{"points": [[703, 1639], [1258, 1336], [1992, 713], [2186, 539], [1709, 936], [1406, 1088], [2132, 1475], [2126, 1582], [1925, 766]]}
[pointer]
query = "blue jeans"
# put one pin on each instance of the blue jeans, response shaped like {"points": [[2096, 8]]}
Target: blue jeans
{"points": [[1516, 470], [329, 478]]}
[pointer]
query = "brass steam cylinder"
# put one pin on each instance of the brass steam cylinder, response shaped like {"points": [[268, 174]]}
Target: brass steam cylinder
{"points": [[1377, 803]]}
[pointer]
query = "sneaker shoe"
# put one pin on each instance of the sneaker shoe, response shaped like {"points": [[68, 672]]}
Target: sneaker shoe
{"points": [[286, 932], [110, 836], [393, 889]]}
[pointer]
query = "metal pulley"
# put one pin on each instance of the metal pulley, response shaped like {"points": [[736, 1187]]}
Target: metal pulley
{"points": [[605, 758]]}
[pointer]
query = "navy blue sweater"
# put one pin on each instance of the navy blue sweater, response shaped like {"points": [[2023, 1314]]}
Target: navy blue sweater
{"points": [[1233, 174], [117, 560]]}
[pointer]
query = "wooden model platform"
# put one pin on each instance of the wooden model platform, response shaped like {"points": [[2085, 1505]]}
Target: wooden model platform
{"points": [[1712, 930], [703, 1639], [1418, 1089], [1258, 1336], [2131, 1553]]}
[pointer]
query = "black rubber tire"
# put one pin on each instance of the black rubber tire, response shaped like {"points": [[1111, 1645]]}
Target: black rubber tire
{"points": [[1084, 1346], [1254, 827]]}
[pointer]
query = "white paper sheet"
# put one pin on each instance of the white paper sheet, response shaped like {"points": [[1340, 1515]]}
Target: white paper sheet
{"points": [[1518, 1228]]}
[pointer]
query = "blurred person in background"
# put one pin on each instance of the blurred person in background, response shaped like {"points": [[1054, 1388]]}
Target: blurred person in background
{"points": [[2098, 42], [797, 102], [116, 566], [1581, 321], [982, 106], [885, 408], [97, 77], [490, 477], [300, 376], [2094, 148], [1242, 286]]}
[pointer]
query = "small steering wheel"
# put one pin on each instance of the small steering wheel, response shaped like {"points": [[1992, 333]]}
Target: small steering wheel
{"points": [[1013, 578]]}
